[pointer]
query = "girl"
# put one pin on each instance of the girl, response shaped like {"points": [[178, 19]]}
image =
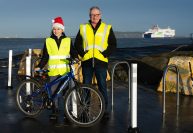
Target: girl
{"points": [[56, 49]]}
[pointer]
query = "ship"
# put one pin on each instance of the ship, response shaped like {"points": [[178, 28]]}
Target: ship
{"points": [[156, 32]]}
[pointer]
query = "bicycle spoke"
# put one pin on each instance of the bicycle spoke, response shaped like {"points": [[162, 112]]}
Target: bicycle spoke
{"points": [[89, 106], [29, 97]]}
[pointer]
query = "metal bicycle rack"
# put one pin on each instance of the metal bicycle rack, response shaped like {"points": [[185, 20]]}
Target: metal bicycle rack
{"points": [[164, 86], [132, 101], [112, 81]]}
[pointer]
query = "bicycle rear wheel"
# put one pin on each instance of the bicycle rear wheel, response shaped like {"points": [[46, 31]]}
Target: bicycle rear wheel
{"points": [[84, 105], [29, 97]]}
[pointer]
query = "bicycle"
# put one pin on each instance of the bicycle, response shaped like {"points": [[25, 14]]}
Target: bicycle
{"points": [[83, 104]]}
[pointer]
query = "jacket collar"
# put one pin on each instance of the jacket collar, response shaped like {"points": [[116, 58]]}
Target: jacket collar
{"points": [[97, 26], [55, 37]]}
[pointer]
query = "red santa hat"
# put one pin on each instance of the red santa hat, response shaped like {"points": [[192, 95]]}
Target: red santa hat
{"points": [[58, 22]]}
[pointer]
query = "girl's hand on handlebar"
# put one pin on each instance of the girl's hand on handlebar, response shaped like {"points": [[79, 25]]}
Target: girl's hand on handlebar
{"points": [[37, 69]]}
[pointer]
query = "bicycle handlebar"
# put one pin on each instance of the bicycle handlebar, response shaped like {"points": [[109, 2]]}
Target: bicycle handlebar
{"points": [[45, 71], [42, 71], [72, 61]]}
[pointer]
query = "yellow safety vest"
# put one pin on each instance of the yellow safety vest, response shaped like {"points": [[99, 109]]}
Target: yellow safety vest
{"points": [[57, 63], [95, 43]]}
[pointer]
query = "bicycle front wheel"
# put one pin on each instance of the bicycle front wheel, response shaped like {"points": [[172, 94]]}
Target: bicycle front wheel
{"points": [[84, 105], [29, 97]]}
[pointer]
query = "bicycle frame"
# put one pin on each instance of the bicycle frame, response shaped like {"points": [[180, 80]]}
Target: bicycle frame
{"points": [[65, 78]]}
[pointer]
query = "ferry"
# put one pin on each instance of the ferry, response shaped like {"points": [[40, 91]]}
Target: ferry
{"points": [[156, 32]]}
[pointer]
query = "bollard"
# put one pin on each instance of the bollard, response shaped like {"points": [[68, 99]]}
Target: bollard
{"points": [[133, 128], [30, 53], [9, 85], [74, 104], [28, 73]]}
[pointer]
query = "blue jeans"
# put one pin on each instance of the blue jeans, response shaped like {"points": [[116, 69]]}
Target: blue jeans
{"points": [[101, 74]]}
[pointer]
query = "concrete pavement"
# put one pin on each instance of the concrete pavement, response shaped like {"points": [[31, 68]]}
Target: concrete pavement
{"points": [[150, 118]]}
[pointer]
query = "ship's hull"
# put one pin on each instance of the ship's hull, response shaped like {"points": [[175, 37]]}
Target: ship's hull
{"points": [[150, 35], [147, 35]]}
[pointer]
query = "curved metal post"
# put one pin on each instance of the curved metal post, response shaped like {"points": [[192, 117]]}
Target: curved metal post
{"points": [[112, 81], [164, 86]]}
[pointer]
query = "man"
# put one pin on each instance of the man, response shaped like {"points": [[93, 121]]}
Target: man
{"points": [[95, 42]]}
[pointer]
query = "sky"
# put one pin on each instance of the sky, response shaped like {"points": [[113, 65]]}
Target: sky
{"points": [[33, 18]]}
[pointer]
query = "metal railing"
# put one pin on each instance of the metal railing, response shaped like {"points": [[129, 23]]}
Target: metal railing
{"points": [[164, 86]]}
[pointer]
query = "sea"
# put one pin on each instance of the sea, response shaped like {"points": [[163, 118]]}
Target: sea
{"points": [[19, 45]]}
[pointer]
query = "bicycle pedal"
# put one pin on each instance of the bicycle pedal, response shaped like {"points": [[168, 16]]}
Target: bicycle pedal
{"points": [[28, 109]]}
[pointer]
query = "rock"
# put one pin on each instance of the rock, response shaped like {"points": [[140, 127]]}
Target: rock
{"points": [[36, 54], [150, 68], [185, 75]]}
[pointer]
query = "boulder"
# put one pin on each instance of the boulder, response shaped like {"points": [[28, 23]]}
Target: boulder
{"points": [[36, 54], [185, 66]]}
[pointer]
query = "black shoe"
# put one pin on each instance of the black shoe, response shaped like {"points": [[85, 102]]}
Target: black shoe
{"points": [[53, 117], [106, 115], [54, 114], [66, 120], [55, 111], [65, 117]]}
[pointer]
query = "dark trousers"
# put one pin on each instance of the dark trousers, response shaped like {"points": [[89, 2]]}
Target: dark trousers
{"points": [[101, 74], [54, 89]]}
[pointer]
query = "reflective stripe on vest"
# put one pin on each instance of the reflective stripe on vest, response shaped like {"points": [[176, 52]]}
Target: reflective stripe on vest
{"points": [[95, 44], [57, 63], [58, 66], [59, 57]]}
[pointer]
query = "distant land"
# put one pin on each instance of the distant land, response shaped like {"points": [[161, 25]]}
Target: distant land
{"points": [[119, 34]]}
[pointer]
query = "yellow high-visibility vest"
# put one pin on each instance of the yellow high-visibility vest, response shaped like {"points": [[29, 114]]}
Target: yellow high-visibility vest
{"points": [[57, 63], [95, 43]]}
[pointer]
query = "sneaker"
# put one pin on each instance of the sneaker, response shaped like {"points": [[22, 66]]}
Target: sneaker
{"points": [[55, 111], [54, 114], [53, 117]]}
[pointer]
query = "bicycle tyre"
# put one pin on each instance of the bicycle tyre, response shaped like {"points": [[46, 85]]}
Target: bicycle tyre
{"points": [[89, 105], [29, 99]]}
